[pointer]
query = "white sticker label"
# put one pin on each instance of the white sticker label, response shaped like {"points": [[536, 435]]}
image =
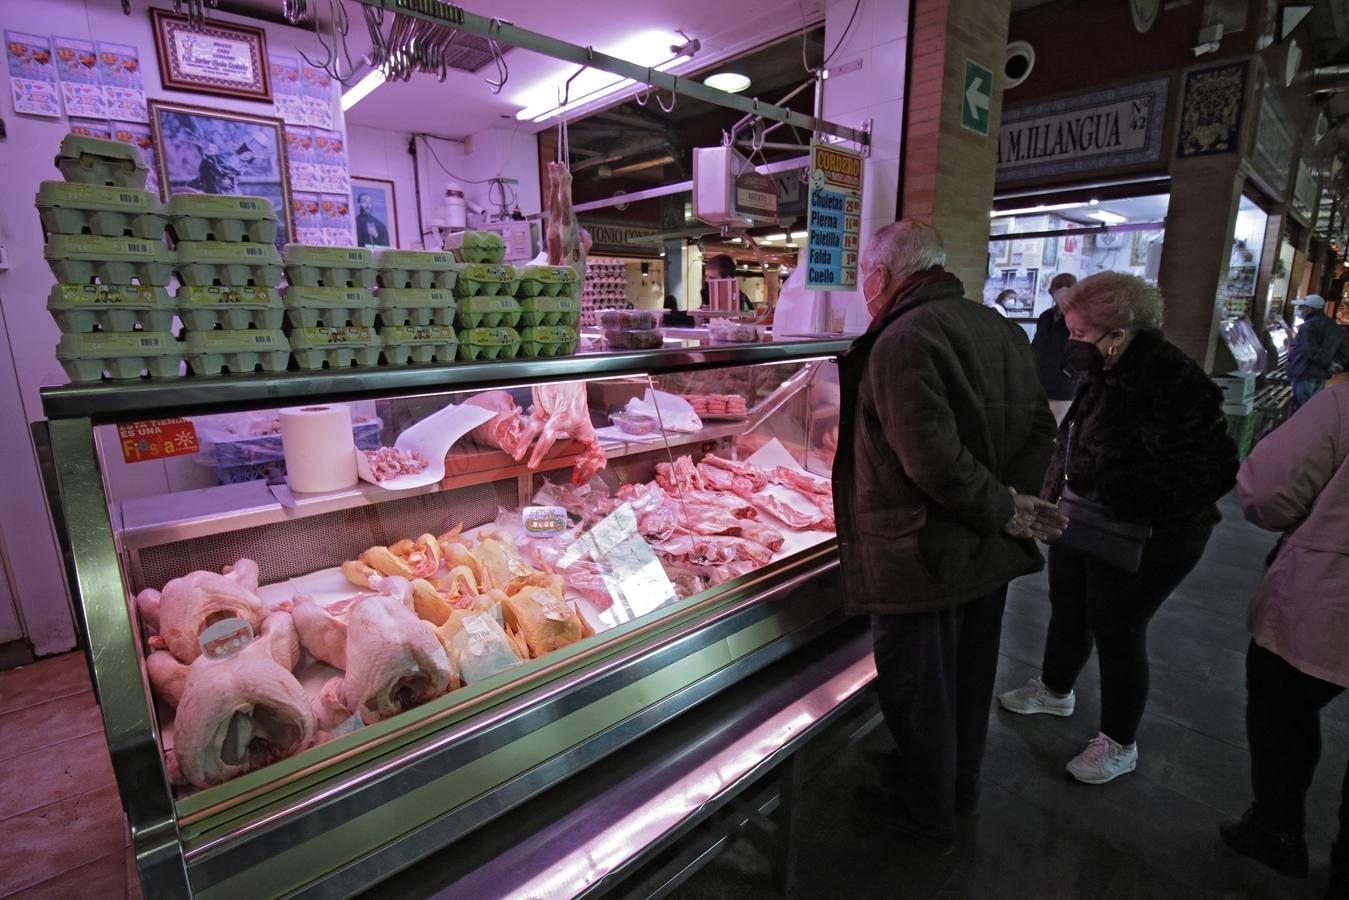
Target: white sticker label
{"points": [[479, 634], [541, 521], [552, 607], [225, 638]]}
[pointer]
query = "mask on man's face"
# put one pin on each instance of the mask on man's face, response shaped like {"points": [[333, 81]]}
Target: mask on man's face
{"points": [[873, 288]]}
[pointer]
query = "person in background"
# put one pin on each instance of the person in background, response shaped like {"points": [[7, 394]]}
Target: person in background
{"points": [[999, 304], [944, 435], [1315, 349], [722, 266], [1297, 481], [1146, 438], [674, 316], [1051, 335]]}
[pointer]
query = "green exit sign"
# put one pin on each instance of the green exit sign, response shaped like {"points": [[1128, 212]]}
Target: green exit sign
{"points": [[976, 98]]}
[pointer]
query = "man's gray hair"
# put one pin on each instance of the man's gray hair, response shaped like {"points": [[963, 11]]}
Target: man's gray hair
{"points": [[905, 247]]}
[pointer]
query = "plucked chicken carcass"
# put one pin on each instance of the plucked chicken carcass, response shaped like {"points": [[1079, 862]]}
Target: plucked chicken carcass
{"points": [[560, 411], [243, 712], [507, 429], [188, 605]]}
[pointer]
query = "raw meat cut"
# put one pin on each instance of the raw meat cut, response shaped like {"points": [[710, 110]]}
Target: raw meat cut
{"points": [[394, 661], [681, 475], [507, 429], [560, 411], [404, 559], [322, 632], [241, 713], [190, 604], [758, 478], [167, 676], [390, 462], [542, 619]]}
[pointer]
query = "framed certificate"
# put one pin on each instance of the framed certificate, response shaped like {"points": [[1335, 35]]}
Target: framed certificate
{"points": [[215, 58]]}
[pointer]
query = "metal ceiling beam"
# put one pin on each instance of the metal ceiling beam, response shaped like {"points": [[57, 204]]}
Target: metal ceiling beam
{"points": [[504, 32]]}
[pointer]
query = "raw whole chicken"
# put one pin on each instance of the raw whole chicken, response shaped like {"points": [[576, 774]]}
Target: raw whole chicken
{"points": [[323, 629], [167, 676], [560, 411], [244, 712], [394, 660], [190, 604], [507, 429]]}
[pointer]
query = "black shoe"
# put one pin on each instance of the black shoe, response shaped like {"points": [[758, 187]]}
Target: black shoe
{"points": [[885, 807], [1282, 851], [1338, 889]]}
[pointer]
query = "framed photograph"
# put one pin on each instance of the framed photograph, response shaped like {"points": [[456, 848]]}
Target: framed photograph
{"points": [[376, 212], [206, 151], [1050, 257], [999, 245], [214, 58]]}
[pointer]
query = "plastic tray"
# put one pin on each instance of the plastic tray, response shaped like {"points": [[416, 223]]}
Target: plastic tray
{"points": [[87, 160], [489, 343], [310, 266], [416, 269], [222, 217], [487, 312], [79, 308], [334, 348], [729, 331], [416, 306], [629, 319], [479, 247], [549, 281], [635, 339], [84, 258], [404, 344], [67, 208], [239, 352], [204, 307], [547, 340], [329, 307], [550, 311], [86, 357], [228, 263], [484, 280]]}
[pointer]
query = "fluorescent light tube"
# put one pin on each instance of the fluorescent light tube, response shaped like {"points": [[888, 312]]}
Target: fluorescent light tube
{"points": [[361, 89]]}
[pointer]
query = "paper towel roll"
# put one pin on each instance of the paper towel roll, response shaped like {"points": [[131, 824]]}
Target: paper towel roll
{"points": [[320, 451]]}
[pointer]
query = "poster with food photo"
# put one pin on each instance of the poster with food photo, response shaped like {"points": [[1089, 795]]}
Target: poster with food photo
{"points": [[286, 96], [32, 78], [119, 68], [81, 85]]}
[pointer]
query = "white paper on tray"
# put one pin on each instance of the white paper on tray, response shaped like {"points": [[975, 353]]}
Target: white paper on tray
{"points": [[614, 434], [673, 413], [770, 456], [431, 439]]}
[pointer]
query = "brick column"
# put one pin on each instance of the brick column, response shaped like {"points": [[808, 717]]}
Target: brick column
{"points": [[949, 171]]}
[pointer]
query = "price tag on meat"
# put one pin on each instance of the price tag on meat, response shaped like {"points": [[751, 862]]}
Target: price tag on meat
{"points": [[225, 638], [834, 220], [157, 439]]}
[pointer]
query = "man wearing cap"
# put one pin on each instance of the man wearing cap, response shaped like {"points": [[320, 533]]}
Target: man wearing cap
{"points": [[1315, 350]]}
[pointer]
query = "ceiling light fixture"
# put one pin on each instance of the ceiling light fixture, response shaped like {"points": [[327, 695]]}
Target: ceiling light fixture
{"points": [[797, 235], [361, 89], [648, 49], [1031, 210], [1107, 217], [730, 82]]}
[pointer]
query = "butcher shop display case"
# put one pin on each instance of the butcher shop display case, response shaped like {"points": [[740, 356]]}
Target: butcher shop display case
{"points": [[381, 608]]}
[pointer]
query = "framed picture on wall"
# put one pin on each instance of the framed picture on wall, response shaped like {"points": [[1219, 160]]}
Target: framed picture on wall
{"points": [[207, 151], [376, 212], [999, 247], [212, 58], [1050, 257]]}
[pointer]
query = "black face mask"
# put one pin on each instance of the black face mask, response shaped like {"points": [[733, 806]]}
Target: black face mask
{"points": [[1084, 356]]}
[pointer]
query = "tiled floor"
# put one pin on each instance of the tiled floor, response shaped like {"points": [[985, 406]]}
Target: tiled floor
{"points": [[62, 831]]}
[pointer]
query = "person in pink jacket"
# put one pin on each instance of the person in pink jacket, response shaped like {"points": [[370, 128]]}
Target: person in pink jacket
{"points": [[1297, 481]]}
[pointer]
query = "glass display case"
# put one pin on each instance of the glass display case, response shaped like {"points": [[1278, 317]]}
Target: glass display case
{"points": [[538, 562]]}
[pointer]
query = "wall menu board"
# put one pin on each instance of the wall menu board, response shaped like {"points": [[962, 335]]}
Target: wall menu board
{"points": [[834, 219]]}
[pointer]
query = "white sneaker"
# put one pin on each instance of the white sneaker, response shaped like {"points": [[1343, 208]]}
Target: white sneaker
{"points": [[1103, 760], [1035, 698]]}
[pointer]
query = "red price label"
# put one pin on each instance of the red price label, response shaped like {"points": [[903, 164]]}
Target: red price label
{"points": [[157, 439]]}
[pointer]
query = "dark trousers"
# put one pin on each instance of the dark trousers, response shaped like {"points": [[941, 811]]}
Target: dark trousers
{"points": [[1283, 726], [934, 675], [1091, 601]]}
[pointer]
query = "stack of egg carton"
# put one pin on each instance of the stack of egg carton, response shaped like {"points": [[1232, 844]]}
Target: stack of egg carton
{"points": [[330, 309], [550, 309], [487, 312], [228, 268], [417, 306], [105, 243]]}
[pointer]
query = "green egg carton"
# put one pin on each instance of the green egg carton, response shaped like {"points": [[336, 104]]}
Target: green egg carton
{"points": [[416, 269], [548, 281], [329, 307], [205, 307], [121, 355], [69, 208], [406, 344], [335, 348], [237, 351], [479, 247], [228, 263], [485, 280], [79, 308], [86, 258], [487, 312], [310, 266], [222, 217], [86, 160], [416, 306], [550, 311], [547, 340], [489, 343]]}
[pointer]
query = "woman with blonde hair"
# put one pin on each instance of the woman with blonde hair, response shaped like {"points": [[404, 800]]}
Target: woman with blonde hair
{"points": [[1141, 456]]}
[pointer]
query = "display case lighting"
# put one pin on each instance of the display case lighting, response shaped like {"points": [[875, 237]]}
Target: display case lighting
{"points": [[1031, 210], [1109, 218]]}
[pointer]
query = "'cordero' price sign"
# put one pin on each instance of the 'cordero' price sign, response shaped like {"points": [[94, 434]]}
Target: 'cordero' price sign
{"points": [[834, 218]]}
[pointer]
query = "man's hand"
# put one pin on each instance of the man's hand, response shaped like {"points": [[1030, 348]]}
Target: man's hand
{"points": [[1035, 518]]}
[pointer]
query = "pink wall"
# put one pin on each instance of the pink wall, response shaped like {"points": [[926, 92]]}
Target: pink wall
{"points": [[27, 334]]}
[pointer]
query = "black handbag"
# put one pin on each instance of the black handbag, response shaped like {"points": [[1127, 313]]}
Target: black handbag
{"points": [[1093, 531]]}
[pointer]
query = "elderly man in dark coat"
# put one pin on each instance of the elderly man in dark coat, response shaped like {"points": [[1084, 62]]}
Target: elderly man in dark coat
{"points": [[944, 436]]}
